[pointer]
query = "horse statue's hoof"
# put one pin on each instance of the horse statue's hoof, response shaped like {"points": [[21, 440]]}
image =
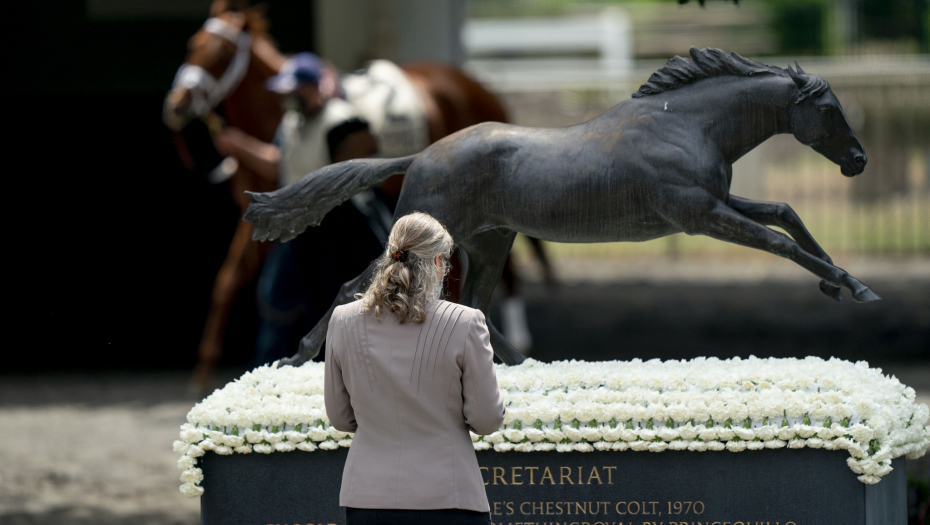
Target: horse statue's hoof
{"points": [[833, 292], [294, 360], [866, 295]]}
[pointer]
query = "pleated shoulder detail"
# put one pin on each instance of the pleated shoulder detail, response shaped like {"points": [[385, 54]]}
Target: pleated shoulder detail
{"points": [[356, 338], [434, 338]]}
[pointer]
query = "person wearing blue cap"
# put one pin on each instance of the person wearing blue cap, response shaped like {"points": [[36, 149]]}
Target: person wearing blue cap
{"points": [[317, 129], [300, 278]]}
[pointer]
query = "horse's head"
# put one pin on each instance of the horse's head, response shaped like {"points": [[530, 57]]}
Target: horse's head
{"points": [[217, 60], [817, 119]]}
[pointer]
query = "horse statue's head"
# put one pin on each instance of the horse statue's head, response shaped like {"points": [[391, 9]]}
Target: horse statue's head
{"points": [[218, 58], [817, 119]]}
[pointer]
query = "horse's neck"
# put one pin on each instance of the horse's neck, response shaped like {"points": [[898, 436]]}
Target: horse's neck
{"points": [[739, 113], [251, 107]]}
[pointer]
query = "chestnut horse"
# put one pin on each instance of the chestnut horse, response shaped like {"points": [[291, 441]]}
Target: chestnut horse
{"points": [[220, 71]]}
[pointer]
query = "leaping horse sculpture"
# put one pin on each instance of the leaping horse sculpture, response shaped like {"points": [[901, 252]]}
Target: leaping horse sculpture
{"points": [[657, 164]]}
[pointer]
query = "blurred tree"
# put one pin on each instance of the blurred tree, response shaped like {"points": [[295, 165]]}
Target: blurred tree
{"points": [[894, 20], [799, 25]]}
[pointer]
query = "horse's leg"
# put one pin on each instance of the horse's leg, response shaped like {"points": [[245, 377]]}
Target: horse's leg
{"points": [[487, 252], [312, 342], [540, 251], [781, 215], [242, 261], [726, 224], [513, 311], [453, 282]]}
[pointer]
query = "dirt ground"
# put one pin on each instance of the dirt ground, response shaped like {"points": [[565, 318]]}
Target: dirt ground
{"points": [[96, 448]]}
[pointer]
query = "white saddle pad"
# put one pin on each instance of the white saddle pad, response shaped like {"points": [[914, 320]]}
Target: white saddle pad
{"points": [[391, 104]]}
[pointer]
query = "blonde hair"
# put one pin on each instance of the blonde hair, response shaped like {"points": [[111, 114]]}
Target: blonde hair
{"points": [[404, 280]]}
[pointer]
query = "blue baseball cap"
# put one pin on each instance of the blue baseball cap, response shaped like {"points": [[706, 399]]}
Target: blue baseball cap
{"points": [[302, 67]]}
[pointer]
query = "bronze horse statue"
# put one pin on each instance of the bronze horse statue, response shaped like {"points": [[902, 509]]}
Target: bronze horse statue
{"points": [[224, 73], [656, 164]]}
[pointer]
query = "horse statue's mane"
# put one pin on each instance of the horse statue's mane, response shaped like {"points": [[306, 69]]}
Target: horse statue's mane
{"points": [[710, 62]]}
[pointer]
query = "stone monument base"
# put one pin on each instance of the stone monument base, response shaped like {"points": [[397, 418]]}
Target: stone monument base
{"points": [[765, 487]]}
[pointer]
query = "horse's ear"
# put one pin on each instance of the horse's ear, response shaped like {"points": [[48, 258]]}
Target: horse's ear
{"points": [[218, 7], [255, 18], [798, 67], [798, 79]]}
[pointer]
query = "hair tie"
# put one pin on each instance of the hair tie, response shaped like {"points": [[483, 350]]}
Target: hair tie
{"points": [[399, 255]]}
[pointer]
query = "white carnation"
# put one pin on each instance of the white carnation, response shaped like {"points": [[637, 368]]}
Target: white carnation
{"points": [[534, 434], [180, 447], [191, 491], [807, 431], [186, 462], [689, 432], [697, 446], [284, 446], [494, 437], [191, 435], [736, 446], [861, 433], [194, 475], [306, 446]]}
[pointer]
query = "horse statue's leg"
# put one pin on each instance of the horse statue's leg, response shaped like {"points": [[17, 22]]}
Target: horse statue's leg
{"points": [[312, 342], [781, 215], [726, 224], [487, 252], [243, 259], [540, 251]]}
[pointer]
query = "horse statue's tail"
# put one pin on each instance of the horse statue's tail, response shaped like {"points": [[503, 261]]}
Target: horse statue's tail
{"points": [[285, 213]]}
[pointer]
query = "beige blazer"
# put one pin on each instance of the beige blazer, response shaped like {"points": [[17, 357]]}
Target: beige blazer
{"points": [[411, 392]]}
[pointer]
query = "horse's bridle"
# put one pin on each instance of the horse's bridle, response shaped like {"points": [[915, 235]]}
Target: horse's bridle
{"points": [[205, 90]]}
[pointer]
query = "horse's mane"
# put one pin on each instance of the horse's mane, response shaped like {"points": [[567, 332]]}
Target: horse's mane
{"points": [[710, 62]]}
